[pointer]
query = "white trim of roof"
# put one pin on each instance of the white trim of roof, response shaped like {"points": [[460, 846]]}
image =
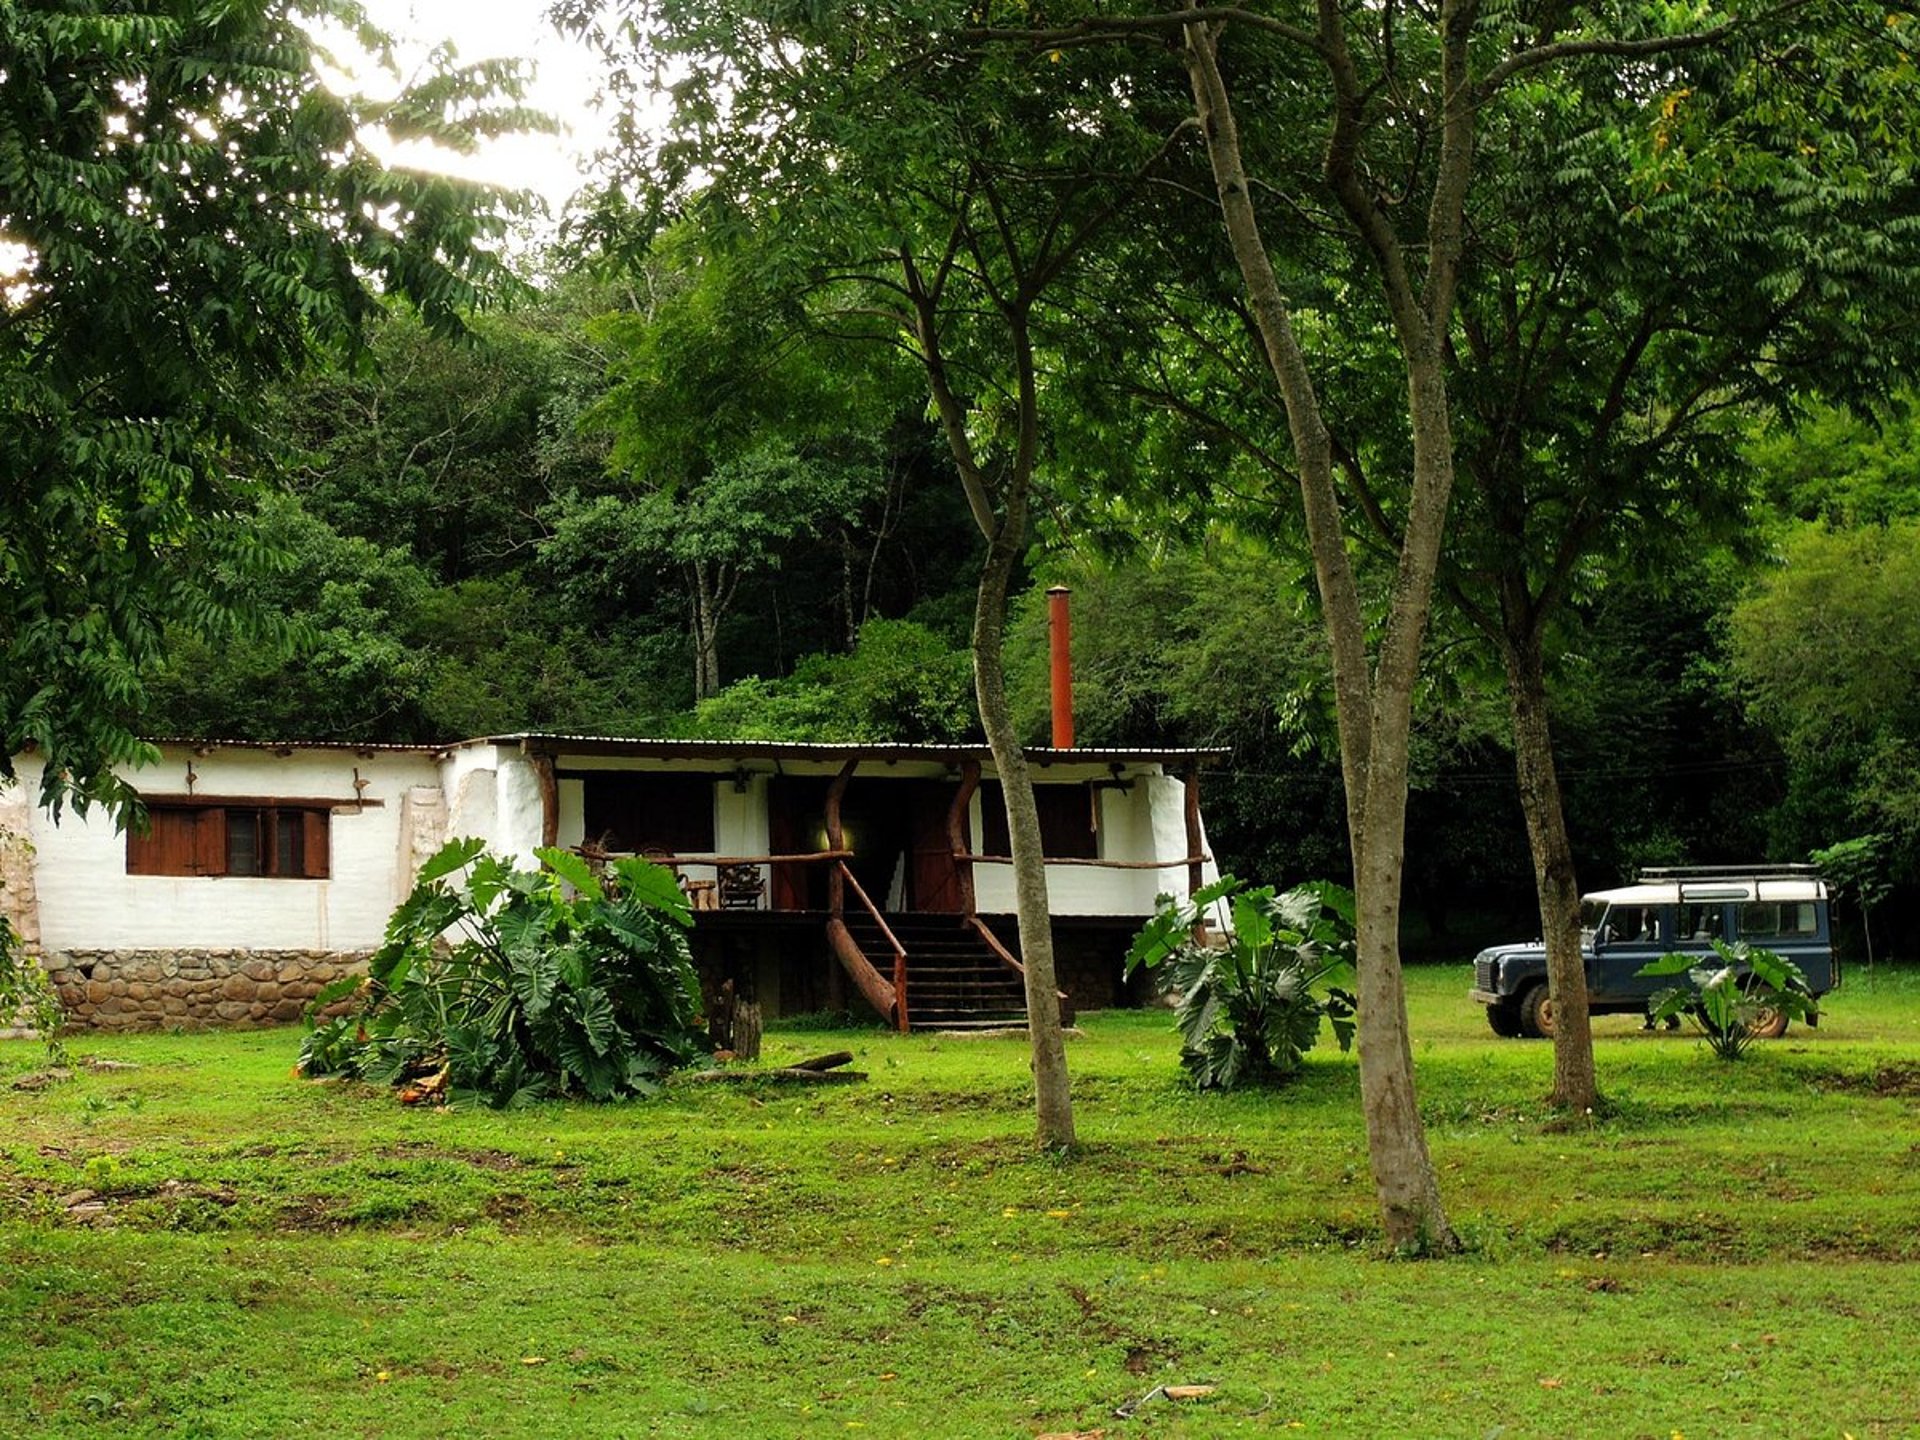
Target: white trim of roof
{"points": [[1706, 890]]}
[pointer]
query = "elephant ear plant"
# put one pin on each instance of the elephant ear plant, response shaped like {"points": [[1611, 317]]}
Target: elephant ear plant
{"points": [[1751, 995], [1249, 1004], [502, 985]]}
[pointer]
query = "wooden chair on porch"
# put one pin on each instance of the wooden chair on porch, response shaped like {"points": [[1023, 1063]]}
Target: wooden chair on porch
{"points": [[741, 887]]}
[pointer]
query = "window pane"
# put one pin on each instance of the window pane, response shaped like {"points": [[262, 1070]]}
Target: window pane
{"points": [[288, 847], [1700, 922], [1066, 821], [243, 842], [638, 813], [1634, 925], [1772, 919]]}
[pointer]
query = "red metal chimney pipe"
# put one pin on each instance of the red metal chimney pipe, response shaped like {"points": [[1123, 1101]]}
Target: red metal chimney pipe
{"points": [[1060, 647]]}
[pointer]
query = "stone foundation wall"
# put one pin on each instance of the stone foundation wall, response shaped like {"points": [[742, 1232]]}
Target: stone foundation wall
{"points": [[164, 989]]}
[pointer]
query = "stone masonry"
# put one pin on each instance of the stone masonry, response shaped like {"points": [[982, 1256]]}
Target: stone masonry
{"points": [[164, 989]]}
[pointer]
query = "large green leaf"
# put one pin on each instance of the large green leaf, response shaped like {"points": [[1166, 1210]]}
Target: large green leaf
{"points": [[572, 869], [456, 854], [654, 886]]}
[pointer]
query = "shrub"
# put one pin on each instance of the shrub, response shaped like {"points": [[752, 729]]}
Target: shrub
{"points": [[511, 985], [27, 995], [1246, 1005], [1752, 995]]}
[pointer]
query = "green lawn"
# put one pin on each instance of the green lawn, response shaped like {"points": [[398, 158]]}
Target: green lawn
{"points": [[1733, 1250]]}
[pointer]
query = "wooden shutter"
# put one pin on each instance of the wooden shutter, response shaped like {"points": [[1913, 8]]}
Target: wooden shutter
{"points": [[316, 852], [209, 843], [167, 846], [179, 841]]}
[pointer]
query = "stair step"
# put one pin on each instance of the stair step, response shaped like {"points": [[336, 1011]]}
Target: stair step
{"points": [[955, 981]]}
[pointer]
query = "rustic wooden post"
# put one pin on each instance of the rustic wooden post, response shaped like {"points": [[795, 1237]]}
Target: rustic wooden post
{"points": [[746, 1030], [957, 831], [1196, 865], [549, 798], [836, 837]]}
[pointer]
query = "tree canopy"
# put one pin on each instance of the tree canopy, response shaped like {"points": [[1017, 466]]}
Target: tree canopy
{"points": [[191, 214]]}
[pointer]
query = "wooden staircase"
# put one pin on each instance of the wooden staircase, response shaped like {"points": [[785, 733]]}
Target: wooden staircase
{"points": [[955, 981]]}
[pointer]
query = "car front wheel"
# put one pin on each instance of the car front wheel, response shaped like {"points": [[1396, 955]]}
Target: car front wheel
{"points": [[1503, 1018], [1536, 1013]]}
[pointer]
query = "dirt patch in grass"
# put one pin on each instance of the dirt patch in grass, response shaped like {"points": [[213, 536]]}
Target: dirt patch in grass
{"points": [[1902, 1078], [1894, 1079], [307, 1213], [496, 1160]]}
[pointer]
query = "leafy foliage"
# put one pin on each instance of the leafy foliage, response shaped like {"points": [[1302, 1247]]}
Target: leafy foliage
{"points": [[1750, 996], [1860, 868], [555, 983], [1247, 1010], [1826, 652], [190, 214], [903, 682], [27, 994], [375, 648]]}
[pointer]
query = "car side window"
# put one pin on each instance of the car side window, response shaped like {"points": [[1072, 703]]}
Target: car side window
{"points": [[1700, 923], [1773, 919], [1634, 925]]}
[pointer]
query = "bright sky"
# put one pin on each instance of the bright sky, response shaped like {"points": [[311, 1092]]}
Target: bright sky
{"points": [[565, 77]]}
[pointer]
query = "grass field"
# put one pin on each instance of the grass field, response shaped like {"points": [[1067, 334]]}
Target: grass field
{"points": [[1731, 1250]]}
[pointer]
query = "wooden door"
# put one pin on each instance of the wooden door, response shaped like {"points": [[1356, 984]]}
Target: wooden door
{"points": [[796, 809], [934, 883]]}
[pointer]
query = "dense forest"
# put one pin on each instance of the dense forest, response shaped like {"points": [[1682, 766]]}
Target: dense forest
{"points": [[466, 538]]}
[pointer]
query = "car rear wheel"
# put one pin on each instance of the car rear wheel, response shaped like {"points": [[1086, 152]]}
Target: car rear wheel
{"points": [[1503, 1018], [1768, 1022], [1536, 1013]]}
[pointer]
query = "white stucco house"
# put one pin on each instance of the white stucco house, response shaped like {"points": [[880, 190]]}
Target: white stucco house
{"points": [[823, 875]]}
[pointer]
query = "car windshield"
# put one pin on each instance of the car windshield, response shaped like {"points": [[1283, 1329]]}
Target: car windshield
{"points": [[1592, 912]]}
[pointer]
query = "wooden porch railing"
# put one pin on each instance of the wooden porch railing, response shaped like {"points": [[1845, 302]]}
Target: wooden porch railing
{"points": [[1090, 864], [893, 943], [1005, 957], [811, 857]]}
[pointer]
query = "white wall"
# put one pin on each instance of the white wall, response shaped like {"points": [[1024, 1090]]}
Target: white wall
{"points": [[88, 901], [469, 777], [1144, 821], [520, 817]]}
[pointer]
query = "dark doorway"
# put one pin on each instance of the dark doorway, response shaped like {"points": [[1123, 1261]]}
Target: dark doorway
{"points": [[933, 877], [897, 830]]}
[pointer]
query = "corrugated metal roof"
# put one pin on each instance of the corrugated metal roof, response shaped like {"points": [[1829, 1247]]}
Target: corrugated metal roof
{"points": [[202, 742], [668, 749], [841, 750]]}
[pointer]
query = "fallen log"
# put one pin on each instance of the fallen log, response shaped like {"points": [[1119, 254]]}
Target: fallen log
{"points": [[824, 1062]]}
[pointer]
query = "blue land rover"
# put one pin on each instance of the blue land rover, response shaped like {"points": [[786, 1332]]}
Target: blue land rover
{"points": [[1782, 908]]}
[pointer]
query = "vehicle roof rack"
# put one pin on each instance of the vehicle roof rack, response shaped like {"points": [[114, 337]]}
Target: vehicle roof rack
{"points": [[1729, 872]]}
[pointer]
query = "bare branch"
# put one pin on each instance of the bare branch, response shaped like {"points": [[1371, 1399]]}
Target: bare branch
{"points": [[1538, 55], [1168, 24]]}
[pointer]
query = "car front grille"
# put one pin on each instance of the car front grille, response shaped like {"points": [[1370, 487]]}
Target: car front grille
{"points": [[1484, 973]]}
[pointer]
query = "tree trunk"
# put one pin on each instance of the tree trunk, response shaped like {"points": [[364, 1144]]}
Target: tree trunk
{"points": [[706, 634], [1403, 1173], [1053, 1102], [1004, 525], [1574, 1083], [1374, 706]]}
